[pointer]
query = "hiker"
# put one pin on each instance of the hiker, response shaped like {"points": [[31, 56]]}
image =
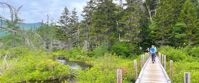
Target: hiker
{"points": [[153, 51]]}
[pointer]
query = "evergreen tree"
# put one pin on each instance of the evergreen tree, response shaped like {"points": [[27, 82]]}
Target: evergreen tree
{"points": [[164, 20], [64, 25], [69, 28], [74, 28], [188, 16], [130, 22], [104, 22], [148, 11], [87, 29]]}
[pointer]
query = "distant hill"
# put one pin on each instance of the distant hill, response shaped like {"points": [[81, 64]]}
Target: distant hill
{"points": [[25, 26], [28, 26]]}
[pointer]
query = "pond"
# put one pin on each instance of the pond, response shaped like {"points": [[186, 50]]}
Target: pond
{"points": [[77, 65], [74, 64]]}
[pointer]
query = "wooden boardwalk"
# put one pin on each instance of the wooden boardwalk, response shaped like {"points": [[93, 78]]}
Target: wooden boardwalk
{"points": [[153, 73]]}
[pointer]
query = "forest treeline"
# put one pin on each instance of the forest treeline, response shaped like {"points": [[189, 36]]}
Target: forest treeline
{"points": [[135, 24]]}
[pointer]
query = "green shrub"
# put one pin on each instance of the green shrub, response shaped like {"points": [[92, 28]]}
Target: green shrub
{"points": [[173, 53], [121, 48], [181, 67], [194, 52], [32, 65], [104, 70], [14, 52], [73, 54], [100, 50]]}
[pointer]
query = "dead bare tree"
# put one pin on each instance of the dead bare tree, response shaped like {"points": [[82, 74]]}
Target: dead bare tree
{"points": [[14, 20], [12, 24]]}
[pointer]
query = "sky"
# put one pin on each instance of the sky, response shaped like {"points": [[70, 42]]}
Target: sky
{"points": [[37, 10], [34, 11]]}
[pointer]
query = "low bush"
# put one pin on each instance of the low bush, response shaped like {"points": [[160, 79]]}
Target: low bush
{"points": [[121, 48], [32, 65], [73, 54], [181, 67], [104, 70], [100, 50], [194, 52], [173, 53]]}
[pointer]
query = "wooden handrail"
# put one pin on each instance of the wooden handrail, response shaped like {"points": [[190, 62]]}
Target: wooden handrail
{"points": [[143, 68]]}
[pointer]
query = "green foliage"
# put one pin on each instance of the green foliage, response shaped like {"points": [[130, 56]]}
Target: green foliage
{"points": [[100, 50], [194, 51], [104, 70], [173, 53], [165, 18], [184, 61], [14, 52], [183, 66], [75, 53], [129, 23], [30, 65], [69, 28], [188, 16], [12, 40], [122, 49]]}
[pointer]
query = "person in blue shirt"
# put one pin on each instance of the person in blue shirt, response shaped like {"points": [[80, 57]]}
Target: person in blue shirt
{"points": [[153, 51]]}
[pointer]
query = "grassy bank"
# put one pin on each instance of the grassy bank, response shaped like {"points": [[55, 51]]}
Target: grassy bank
{"points": [[28, 65], [185, 60]]}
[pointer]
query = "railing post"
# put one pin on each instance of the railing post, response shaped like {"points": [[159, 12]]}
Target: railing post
{"points": [[165, 64], [136, 69], [119, 75], [162, 59], [159, 54], [141, 61], [187, 77], [171, 68], [144, 57]]}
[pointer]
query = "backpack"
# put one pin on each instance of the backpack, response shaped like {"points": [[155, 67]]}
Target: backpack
{"points": [[152, 50]]}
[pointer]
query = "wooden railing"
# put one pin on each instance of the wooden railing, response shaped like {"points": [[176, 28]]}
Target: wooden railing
{"points": [[141, 73], [144, 60]]}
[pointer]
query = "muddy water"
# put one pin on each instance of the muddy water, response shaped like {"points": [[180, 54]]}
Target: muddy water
{"points": [[75, 64]]}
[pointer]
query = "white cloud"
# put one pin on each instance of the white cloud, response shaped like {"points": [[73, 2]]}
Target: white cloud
{"points": [[37, 10]]}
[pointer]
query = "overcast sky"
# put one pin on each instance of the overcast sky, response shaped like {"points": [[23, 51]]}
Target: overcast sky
{"points": [[37, 10]]}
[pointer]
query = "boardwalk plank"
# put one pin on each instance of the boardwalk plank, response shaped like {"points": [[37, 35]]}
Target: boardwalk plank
{"points": [[153, 73]]}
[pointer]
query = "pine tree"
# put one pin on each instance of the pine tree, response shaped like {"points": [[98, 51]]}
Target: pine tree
{"points": [[104, 22], [69, 28], [130, 22], [64, 25], [164, 20], [87, 29], [74, 28], [188, 16]]}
